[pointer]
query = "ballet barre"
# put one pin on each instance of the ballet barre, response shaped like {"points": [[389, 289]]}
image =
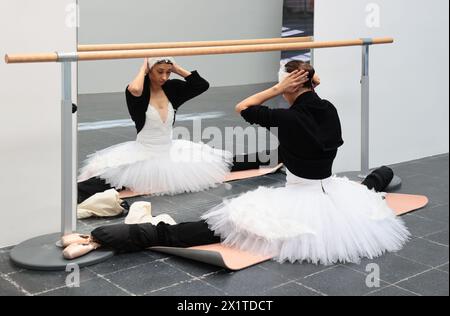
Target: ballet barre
{"points": [[137, 46], [38, 254], [191, 51]]}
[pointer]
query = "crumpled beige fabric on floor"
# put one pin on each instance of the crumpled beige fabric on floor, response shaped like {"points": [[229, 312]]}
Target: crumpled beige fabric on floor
{"points": [[141, 213], [104, 204]]}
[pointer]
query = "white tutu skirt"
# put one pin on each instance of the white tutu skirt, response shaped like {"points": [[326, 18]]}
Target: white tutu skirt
{"points": [[179, 167], [321, 222]]}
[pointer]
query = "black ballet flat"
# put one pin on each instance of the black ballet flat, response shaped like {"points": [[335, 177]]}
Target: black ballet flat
{"points": [[90, 187], [379, 179], [249, 161]]}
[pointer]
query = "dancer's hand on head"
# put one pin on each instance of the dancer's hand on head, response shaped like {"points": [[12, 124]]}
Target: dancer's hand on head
{"points": [[293, 82], [316, 81], [145, 66], [177, 69]]}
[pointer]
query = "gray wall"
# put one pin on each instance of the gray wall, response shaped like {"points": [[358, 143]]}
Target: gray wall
{"points": [[30, 119], [137, 21], [409, 79]]}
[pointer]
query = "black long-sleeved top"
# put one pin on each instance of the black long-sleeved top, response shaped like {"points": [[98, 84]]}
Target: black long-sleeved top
{"points": [[309, 133], [177, 91]]}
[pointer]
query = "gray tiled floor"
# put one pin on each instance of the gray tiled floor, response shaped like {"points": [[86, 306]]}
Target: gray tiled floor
{"points": [[421, 268]]}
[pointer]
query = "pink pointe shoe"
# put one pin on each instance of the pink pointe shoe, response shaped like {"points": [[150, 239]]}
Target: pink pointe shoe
{"points": [[76, 250], [74, 239]]}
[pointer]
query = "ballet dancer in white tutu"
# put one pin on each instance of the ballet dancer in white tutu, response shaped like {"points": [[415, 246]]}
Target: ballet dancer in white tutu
{"points": [[316, 217], [155, 163]]}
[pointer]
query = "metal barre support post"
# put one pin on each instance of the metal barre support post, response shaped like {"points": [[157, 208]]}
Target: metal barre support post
{"points": [[68, 147], [67, 175], [365, 117], [365, 108]]}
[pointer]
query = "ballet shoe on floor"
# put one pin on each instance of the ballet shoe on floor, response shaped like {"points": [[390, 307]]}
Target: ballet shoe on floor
{"points": [[74, 239], [74, 250], [379, 179]]}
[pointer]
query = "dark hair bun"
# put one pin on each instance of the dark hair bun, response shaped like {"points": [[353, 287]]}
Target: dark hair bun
{"points": [[301, 65]]}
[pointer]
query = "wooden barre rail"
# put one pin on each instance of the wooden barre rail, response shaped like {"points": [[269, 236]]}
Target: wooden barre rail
{"points": [[137, 46], [107, 55]]}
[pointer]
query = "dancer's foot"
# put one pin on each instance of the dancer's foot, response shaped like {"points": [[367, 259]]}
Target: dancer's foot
{"points": [[74, 250], [74, 239], [379, 179]]}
